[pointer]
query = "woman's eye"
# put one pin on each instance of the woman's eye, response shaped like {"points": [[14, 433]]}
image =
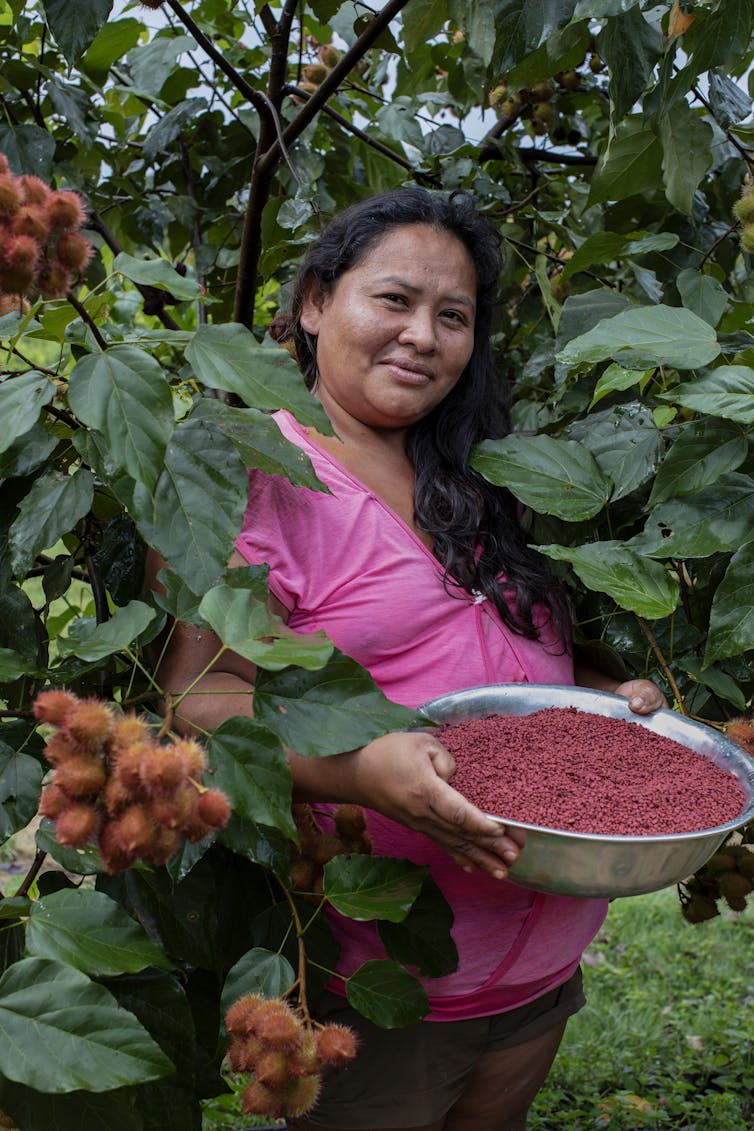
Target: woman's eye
{"points": [[394, 298], [455, 316]]}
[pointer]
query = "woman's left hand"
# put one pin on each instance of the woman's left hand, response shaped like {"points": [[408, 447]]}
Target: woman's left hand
{"points": [[643, 695]]}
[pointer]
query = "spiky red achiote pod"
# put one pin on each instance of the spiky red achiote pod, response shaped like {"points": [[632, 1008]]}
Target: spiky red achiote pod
{"points": [[41, 247], [284, 1054], [116, 784]]}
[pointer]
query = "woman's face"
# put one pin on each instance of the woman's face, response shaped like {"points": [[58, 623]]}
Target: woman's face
{"points": [[397, 331]]}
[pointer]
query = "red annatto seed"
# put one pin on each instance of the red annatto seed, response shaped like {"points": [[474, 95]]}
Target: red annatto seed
{"points": [[271, 1068], [90, 722], [162, 847], [30, 220], [4, 166], [127, 765], [277, 1025], [562, 768], [34, 189], [65, 210], [52, 801], [162, 771], [11, 195], [54, 706], [194, 828], [173, 810], [54, 280], [214, 808], [21, 251], [304, 1061], [127, 731], [80, 776], [74, 251], [336, 1044], [193, 757], [133, 830], [60, 748], [741, 731], [114, 856], [77, 825], [16, 280], [239, 1018], [258, 1099], [301, 1096]]}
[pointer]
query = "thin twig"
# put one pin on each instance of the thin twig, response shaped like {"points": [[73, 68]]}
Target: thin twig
{"points": [[664, 666], [84, 314], [31, 875]]}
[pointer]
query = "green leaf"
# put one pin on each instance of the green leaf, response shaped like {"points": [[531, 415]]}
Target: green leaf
{"points": [[730, 104], [422, 19], [75, 23], [625, 443], [731, 624], [686, 154], [245, 625], [329, 711], [631, 163], [715, 520], [62, 1032], [372, 887], [13, 665], [112, 41], [630, 46], [260, 442], [124, 394], [156, 273], [229, 357], [387, 994], [423, 939], [29, 149], [52, 508], [198, 507], [646, 336], [21, 399], [27, 453], [91, 641], [20, 783], [726, 392], [716, 680], [723, 37], [108, 1111], [635, 583], [702, 294], [550, 475], [91, 932], [605, 247], [151, 63], [259, 971], [703, 452], [84, 861], [249, 765], [522, 25], [170, 127], [616, 379]]}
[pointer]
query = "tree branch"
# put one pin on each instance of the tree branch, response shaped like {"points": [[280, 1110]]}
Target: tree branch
{"points": [[331, 83], [84, 314]]}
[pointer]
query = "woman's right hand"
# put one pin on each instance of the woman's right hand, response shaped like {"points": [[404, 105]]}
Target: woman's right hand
{"points": [[405, 776]]}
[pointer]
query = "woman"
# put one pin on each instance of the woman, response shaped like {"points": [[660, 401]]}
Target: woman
{"points": [[416, 567]]}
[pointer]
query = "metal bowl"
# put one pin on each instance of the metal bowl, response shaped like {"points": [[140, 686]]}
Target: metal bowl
{"points": [[593, 865]]}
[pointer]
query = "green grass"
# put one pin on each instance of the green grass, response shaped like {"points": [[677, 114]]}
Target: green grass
{"points": [[666, 1038]]}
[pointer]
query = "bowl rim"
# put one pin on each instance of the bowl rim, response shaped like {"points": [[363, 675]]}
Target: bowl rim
{"points": [[744, 761]]}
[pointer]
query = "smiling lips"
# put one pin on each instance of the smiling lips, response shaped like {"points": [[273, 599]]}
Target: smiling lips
{"points": [[409, 372]]}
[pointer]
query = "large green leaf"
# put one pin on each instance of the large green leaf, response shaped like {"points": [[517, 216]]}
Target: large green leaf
{"points": [[245, 625], [260, 442], [75, 23], [92, 932], [731, 625], [372, 887], [617, 379], [715, 520], [229, 357], [727, 391], [156, 273], [422, 19], [84, 861], [249, 765], [638, 584], [259, 971], [686, 154], [20, 783], [91, 641], [170, 126], [646, 336], [29, 149], [124, 394], [631, 163], [52, 508], [705, 450], [387, 994], [198, 505], [559, 477], [625, 443], [522, 25], [703, 294], [724, 35], [423, 940], [61, 1032], [630, 46], [21, 399], [112, 41], [27, 453], [605, 247], [329, 711], [74, 1110]]}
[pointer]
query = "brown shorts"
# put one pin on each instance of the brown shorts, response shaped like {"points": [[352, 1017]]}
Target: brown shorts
{"points": [[412, 1076]]}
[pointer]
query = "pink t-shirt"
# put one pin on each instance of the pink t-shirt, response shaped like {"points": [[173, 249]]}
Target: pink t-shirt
{"points": [[345, 563]]}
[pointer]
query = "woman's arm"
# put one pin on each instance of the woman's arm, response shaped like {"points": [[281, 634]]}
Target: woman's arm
{"points": [[402, 775]]}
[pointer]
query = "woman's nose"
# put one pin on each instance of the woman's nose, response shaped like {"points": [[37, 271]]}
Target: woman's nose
{"points": [[419, 329]]}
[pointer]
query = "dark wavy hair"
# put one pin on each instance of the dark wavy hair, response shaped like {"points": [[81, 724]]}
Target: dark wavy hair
{"points": [[474, 525]]}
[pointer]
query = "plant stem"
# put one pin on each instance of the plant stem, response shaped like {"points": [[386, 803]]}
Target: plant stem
{"points": [[662, 663]]}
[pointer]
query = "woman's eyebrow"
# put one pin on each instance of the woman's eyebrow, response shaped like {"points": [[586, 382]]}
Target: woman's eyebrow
{"points": [[396, 281]]}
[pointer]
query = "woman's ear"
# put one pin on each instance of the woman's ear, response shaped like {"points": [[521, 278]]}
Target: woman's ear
{"points": [[312, 307]]}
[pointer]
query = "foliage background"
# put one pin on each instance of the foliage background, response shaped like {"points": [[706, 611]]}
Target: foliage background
{"points": [[210, 142]]}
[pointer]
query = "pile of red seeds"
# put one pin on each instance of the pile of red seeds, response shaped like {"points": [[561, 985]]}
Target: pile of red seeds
{"points": [[562, 768]]}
